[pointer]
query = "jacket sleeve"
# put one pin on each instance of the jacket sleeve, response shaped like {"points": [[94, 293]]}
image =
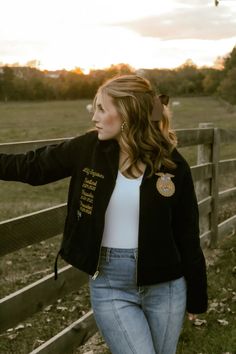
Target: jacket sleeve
{"points": [[44, 165], [186, 230]]}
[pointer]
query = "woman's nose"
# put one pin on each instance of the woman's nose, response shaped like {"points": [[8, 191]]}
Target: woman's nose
{"points": [[94, 118]]}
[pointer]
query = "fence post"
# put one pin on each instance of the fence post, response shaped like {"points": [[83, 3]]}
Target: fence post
{"points": [[215, 187], [205, 188]]}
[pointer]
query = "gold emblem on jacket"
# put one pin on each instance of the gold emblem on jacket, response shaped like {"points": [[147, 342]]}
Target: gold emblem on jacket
{"points": [[164, 184]]}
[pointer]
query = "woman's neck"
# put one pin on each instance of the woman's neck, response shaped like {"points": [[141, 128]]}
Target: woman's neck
{"points": [[137, 169]]}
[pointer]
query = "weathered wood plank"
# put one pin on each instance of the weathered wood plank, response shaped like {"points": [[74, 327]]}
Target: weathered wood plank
{"points": [[205, 238], [203, 185], [204, 206], [201, 172], [227, 166], [215, 187], [25, 302], [186, 137], [25, 230], [227, 227], [190, 137], [227, 195], [71, 337], [24, 146]]}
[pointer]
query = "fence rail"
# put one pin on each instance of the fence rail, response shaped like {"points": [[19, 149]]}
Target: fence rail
{"points": [[32, 228]]}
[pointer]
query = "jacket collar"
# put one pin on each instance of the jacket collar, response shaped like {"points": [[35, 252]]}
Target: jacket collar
{"points": [[108, 146]]}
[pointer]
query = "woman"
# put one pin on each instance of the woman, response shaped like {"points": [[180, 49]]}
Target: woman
{"points": [[132, 221]]}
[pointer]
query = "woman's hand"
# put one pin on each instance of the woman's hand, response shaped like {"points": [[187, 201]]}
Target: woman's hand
{"points": [[192, 316]]}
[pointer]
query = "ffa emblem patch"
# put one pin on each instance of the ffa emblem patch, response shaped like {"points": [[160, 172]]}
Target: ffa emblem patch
{"points": [[164, 184]]}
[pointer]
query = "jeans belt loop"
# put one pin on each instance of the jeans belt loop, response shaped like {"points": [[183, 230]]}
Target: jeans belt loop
{"points": [[108, 254]]}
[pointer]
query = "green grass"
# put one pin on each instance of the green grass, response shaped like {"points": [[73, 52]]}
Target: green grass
{"points": [[44, 120], [193, 111], [215, 336], [47, 120]]}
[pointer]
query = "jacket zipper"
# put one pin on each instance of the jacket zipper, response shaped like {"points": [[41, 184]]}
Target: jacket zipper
{"points": [[137, 268], [138, 233]]}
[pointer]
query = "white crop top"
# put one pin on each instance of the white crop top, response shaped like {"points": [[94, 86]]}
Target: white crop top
{"points": [[122, 214]]}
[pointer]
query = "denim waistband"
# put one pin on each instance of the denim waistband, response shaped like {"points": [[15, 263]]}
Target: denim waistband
{"points": [[119, 252]]}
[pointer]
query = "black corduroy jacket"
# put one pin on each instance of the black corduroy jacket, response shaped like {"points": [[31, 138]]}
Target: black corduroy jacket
{"points": [[168, 240]]}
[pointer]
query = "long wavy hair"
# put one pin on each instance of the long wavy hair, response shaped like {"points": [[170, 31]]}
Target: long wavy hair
{"points": [[142, 139]]}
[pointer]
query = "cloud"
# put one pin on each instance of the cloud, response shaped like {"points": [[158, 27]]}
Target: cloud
{"points": [[194, 2], [192, 23]]}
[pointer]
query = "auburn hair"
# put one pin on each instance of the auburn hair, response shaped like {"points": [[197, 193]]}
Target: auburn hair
{"points": [[142, 139]]}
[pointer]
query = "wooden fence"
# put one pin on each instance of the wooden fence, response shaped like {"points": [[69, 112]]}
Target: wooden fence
{"points": [[25, 230]]}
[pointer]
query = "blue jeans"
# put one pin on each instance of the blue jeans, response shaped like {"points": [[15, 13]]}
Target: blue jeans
{"points": [[132, 319]]}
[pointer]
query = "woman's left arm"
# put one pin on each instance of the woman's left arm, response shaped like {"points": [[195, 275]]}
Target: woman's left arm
{"points": [[186, 232]]}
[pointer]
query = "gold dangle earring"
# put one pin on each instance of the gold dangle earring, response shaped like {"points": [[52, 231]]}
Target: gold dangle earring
{"points": [[122, 128]]}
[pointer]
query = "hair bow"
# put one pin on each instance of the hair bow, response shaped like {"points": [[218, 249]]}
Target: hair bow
{"points": [[158, 102]]}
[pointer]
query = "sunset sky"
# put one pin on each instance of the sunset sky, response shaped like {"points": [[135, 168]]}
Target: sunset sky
{"points": [[98, 33]]}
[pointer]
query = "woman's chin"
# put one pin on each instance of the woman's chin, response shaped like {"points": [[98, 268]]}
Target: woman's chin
{"points": [[102, 136]]}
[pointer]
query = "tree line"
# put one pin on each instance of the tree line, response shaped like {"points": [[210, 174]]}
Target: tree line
{"points": [[26, 83]]}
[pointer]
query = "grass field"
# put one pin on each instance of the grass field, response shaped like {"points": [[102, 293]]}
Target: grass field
{"points": [[46, 120]]}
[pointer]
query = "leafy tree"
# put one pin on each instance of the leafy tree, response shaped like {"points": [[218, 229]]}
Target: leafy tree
{"points": [[7, 83], [211, 81], [230, 60], [227, 87], [190, 79], [119, 69], [27, 83]]}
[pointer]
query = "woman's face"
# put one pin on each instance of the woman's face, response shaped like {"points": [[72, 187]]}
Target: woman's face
{"points": [[106, 118]]}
